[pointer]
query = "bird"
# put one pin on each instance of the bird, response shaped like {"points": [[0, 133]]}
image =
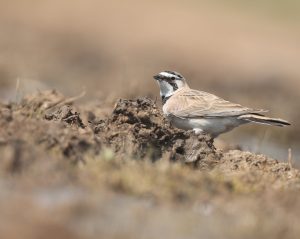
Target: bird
{"points": [[202, 112]]}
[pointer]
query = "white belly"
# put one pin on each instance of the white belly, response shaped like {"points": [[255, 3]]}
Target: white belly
{"points": [[212, 126]]}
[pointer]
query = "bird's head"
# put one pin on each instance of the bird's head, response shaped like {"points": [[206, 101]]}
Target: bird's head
{"points": [[169, 82]]}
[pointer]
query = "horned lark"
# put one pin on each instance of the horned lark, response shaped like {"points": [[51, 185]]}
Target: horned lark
{"points": [[202, 112]]}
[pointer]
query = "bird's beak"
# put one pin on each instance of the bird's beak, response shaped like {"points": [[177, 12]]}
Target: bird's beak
{"points": [[157, 77]]}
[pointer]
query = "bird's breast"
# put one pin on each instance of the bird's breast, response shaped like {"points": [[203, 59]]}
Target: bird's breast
{"points": [[213, 126]]}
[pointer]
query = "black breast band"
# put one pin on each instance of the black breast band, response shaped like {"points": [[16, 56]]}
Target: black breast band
{"points": [[165, 99]]}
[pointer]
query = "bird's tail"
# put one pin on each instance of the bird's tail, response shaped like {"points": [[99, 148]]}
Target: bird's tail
{"points": [[260, 119]]}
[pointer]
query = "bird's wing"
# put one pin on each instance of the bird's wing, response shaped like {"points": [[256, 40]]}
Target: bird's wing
{"points": [[193, 104]]}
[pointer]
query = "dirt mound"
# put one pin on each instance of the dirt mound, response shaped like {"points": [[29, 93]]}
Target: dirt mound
{"points": [[137, 127]]}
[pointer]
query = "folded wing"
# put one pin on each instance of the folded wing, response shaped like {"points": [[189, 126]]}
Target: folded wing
{"points": [[193, 104]]}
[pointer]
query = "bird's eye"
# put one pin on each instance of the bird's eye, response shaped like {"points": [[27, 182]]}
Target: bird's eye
{"points": [[172, 78]]}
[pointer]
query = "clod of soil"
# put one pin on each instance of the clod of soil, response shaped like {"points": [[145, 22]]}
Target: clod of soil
{"points": [[137, 127], [65, 114]]}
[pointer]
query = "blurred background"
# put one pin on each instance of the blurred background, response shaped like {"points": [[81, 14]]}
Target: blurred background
{"points": [[244, 51]]}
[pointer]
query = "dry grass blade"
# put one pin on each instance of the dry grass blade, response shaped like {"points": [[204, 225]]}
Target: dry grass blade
{"points": [[67, 101]]}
